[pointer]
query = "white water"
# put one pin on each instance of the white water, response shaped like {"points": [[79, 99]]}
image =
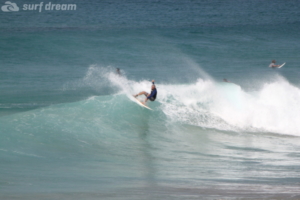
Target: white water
{"points": [[226, 106], [274, 107]]}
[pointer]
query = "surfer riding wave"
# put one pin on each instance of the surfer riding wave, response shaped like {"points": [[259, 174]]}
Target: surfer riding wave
{"points": [[151, 96]]}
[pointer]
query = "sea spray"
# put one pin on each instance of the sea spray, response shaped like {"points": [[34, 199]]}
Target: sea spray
{"points": [[226, 106]]}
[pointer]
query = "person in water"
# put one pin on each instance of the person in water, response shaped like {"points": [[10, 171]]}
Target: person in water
{"points": [[118, 71], [151, 96], [273, 64]]}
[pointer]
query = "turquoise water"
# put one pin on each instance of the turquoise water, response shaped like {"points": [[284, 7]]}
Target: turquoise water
{"points": [[69, 130]]}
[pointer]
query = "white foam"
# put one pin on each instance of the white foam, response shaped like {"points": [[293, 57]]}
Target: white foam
{"points": [[273, 108]]}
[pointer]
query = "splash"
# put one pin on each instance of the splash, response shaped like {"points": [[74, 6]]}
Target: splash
{"points": [[226, 106]]}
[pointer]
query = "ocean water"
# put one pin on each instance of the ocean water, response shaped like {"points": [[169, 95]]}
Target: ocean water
{"points": [[69, 129]]}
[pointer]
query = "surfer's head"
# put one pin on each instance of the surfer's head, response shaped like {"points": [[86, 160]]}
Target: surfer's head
{"points": [[273, 61], [153, 85]]}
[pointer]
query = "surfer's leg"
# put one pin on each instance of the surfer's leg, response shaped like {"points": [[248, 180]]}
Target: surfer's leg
{"points": [[145, 93], [145, 101]]}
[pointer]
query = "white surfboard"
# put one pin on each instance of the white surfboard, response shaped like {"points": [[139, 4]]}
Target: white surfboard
{"points": [[140, 103], [281, 65]]}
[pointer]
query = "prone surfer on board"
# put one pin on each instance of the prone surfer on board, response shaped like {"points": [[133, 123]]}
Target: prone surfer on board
{"points": [[151, 96], [273, 64]]}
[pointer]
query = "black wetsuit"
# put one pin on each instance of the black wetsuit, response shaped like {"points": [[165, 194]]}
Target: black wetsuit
{"points": [[153, 94]]}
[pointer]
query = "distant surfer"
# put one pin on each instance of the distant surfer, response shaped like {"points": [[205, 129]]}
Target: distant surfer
{"points": [[225, 80], [272, 65], [118, 71], [151, 96]]}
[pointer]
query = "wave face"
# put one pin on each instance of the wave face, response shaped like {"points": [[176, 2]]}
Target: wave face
{"points": [[221, 106]]}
